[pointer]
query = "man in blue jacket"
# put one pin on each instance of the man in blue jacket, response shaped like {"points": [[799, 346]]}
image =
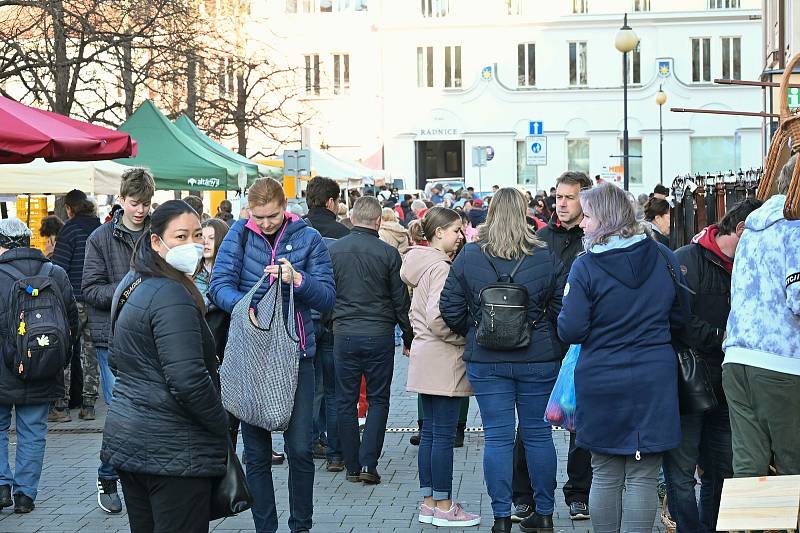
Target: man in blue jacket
{"points": [[69, 254]]}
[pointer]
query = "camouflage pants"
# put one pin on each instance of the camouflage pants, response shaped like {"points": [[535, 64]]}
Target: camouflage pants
{"points": [[91, 371]]}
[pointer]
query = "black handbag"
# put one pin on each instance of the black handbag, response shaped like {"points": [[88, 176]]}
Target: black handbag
{"points": [[229, 494], [695, 393]]}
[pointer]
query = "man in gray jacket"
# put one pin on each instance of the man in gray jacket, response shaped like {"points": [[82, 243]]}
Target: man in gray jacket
{"points": [[108, 256]]}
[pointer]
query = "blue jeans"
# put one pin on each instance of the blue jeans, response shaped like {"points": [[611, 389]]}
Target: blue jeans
{"points": [[107, 381], [706, 442], [107, 378], [435, 457], [31, 440], [297, 444], [501, 390], [372, 357], [327, 370]]}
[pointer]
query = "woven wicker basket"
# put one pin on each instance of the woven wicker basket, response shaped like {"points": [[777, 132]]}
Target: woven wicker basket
{"points": [[780, 151]]}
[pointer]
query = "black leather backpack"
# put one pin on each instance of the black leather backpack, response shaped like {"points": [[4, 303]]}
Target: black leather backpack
{"points": [[503, 323]]}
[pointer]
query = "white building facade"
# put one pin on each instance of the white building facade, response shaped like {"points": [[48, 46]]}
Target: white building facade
{"points": [[428, 80]]}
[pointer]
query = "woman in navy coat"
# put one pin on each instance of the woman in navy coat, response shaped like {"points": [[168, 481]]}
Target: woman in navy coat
{"points": [[272, 237], [620, 304]]}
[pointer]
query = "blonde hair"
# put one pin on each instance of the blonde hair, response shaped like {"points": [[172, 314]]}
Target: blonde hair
{"points": [[388, 215], [265, 191], [506, 233]]}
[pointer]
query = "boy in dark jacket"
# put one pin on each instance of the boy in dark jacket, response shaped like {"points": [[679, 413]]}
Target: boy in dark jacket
{"points": [[30, 399], [108, 258], [707, 264], [69, 254]]}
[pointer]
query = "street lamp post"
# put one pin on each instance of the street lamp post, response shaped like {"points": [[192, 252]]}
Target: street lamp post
{"points": [[661, 99], [625, 41]]}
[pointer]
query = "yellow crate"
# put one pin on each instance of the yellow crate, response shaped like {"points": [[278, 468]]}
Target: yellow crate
{"points": [[38, 203]]}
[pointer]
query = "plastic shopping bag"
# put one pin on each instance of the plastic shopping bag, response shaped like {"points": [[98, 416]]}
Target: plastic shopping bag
{"points": [[561, 406]]}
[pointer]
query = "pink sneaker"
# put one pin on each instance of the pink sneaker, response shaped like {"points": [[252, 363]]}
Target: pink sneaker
{"points": [[455, 517], [425, 514]]}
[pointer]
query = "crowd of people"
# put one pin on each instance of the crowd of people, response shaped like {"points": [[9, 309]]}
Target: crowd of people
{"points": [[484, 293]]}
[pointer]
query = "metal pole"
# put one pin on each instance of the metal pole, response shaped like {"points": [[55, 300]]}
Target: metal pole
{"points": [[480, 179], [626, 175], [660, 144]]}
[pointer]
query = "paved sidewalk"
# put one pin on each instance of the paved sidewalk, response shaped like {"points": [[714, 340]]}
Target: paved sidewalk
{"points": [[67, 493]]}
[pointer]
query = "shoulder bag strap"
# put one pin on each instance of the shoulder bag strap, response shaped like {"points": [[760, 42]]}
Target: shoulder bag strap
{"points": [[672, 273], [123, 298]]}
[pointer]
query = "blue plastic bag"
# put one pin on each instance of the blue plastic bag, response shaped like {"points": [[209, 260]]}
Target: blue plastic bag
{"points": [[561, 406]]}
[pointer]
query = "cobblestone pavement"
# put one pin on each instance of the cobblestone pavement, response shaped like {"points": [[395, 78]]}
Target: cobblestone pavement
{"points": [[67, 493]]}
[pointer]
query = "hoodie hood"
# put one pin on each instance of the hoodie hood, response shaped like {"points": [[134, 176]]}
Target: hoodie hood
{"points": [[394, 227], [629, 261], [417, 261], [766, 215]]}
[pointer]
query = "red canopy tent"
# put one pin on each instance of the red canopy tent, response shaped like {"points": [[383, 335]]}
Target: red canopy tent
{"points": [[27, 133]]}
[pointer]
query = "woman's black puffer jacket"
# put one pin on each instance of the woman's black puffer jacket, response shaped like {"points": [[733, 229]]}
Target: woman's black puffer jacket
{"points": [[166, 418]]}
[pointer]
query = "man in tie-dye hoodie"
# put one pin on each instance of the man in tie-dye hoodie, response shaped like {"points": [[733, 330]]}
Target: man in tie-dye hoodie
{"points": [[761, 371]]}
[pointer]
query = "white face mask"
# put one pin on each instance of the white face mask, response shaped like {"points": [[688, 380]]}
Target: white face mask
{"points": [[185, 257]]}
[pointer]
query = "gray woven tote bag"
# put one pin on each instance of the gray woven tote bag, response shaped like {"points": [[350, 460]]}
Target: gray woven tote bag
{"points": [[259, 373]]}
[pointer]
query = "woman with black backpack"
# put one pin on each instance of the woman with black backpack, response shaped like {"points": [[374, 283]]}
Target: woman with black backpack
{"points": [[503, 294]]}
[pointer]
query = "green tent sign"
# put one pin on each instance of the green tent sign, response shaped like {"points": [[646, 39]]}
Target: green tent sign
{"points": [[794, 98]]}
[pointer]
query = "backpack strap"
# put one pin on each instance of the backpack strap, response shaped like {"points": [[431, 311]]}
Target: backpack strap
{"points": [[513, 272], [11, 271], [46, 270]]}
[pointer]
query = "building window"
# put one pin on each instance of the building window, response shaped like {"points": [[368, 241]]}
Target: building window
{"points": [[514, 7], [424, 66], [580, 6], [435, 8], [701, 59], [641, 5], [452, 66], [713, 154], [341, 73], [634, 159], [312, 74], [526, 174], [732, 58], [578, 155], [577, 63], [635, 65], [326, 6], [723, 4], [301, 6], [526, 65]]}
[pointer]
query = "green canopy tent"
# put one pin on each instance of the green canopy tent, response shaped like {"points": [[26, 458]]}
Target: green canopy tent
{"points": [[176, 161], [191, 130]]}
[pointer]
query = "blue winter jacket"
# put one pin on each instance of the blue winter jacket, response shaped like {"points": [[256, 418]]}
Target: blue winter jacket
{"points": [[245, 253], [541, 273], [620, 304]]}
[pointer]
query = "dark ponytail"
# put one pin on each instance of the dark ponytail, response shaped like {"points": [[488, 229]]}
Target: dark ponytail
{"points": [[146, 261]]}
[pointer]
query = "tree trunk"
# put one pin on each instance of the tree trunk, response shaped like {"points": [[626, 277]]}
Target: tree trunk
{"points": [[240, 119], [61, 69], [191, 85], [127, 75]]}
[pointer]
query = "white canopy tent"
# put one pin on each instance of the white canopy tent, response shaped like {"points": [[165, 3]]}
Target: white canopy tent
{"points": [[41, 177]]}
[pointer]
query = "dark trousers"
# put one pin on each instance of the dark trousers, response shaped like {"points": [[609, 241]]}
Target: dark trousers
{"points": [[707, 442], [325, 404], [372, 357], [165, 504], [297, 444], [463, 411], [579, 472]]}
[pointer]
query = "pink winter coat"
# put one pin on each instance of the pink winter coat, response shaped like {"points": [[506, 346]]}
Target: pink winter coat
{"points": [[436, 365]]}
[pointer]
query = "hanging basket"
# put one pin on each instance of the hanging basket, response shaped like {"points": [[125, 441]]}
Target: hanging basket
{"points": [[780, 151]]}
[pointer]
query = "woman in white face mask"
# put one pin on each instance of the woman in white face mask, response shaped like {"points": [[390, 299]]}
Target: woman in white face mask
{"points": [[165, 432]]}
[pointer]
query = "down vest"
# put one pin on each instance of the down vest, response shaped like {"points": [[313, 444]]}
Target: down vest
{"points": [[541, 273], [245, 253], [167, 418]]}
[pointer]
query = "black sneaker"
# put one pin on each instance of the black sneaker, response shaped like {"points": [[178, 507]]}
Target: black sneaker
{"points": [[107, 496], [5, 496], [23, 504], [521, 512], [369, 476], [501, 525], [87, 413], [578, 511], [537, 523], [334, 465], [414, 439], [353, 477]]}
